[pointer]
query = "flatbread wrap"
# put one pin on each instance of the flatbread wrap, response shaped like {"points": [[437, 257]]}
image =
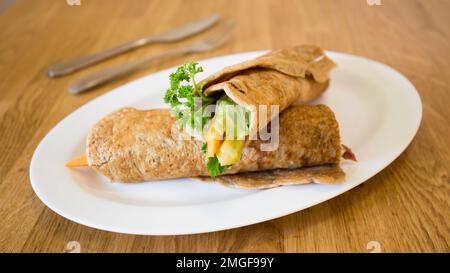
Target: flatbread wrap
{"points": [[226, 144], [258, 89], [281, 77], [132, 145]]}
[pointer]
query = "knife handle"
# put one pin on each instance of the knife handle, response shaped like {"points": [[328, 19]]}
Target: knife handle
{"points": [[79, 63]]}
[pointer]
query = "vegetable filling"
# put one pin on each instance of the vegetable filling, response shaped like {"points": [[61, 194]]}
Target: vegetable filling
{"points": [[224, 129]]}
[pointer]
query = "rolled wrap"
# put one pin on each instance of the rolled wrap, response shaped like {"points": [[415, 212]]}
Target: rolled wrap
{"points": [[131, 145], [281, 77]]}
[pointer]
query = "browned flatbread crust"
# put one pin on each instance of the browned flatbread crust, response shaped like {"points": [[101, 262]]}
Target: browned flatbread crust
{"points": [[130, 145], [325, 174], [281, 77], [296, 61]]}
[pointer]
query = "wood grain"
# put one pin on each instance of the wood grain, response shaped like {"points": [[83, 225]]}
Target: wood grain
{"points": [[405, 207]]}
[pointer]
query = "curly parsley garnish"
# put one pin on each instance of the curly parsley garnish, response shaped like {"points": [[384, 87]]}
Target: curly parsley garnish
{"points": [[186, 98]]}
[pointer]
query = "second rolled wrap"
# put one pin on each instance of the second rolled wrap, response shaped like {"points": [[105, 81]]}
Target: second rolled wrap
{"points": [[280, 77]]}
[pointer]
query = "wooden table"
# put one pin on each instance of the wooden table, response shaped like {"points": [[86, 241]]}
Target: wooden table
{"points": [[405, 207]]}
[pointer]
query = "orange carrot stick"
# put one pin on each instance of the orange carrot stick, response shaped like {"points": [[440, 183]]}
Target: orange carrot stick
{"points": [[80, 161]]}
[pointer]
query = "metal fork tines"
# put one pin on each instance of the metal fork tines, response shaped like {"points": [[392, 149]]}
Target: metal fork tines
{"points": [[101, 77], [215, 39]]}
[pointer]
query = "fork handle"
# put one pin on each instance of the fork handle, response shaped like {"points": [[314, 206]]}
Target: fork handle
{"points": [[82, 62], [104, 76]]}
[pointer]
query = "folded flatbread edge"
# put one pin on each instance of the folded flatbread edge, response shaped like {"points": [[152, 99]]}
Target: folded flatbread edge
{"points": [[324, 174]]}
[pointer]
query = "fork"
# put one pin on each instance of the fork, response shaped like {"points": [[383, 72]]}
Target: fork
{"points": [[172, 35], [104, 76]]}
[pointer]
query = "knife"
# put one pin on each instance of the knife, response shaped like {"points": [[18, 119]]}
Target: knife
{"points": [[173, 35]]}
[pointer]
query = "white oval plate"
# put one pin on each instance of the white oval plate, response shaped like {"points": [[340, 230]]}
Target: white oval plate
{"points": [[378, 109]]}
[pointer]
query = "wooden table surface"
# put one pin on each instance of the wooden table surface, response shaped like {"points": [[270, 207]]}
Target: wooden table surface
{"points": [[405, 207]]}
